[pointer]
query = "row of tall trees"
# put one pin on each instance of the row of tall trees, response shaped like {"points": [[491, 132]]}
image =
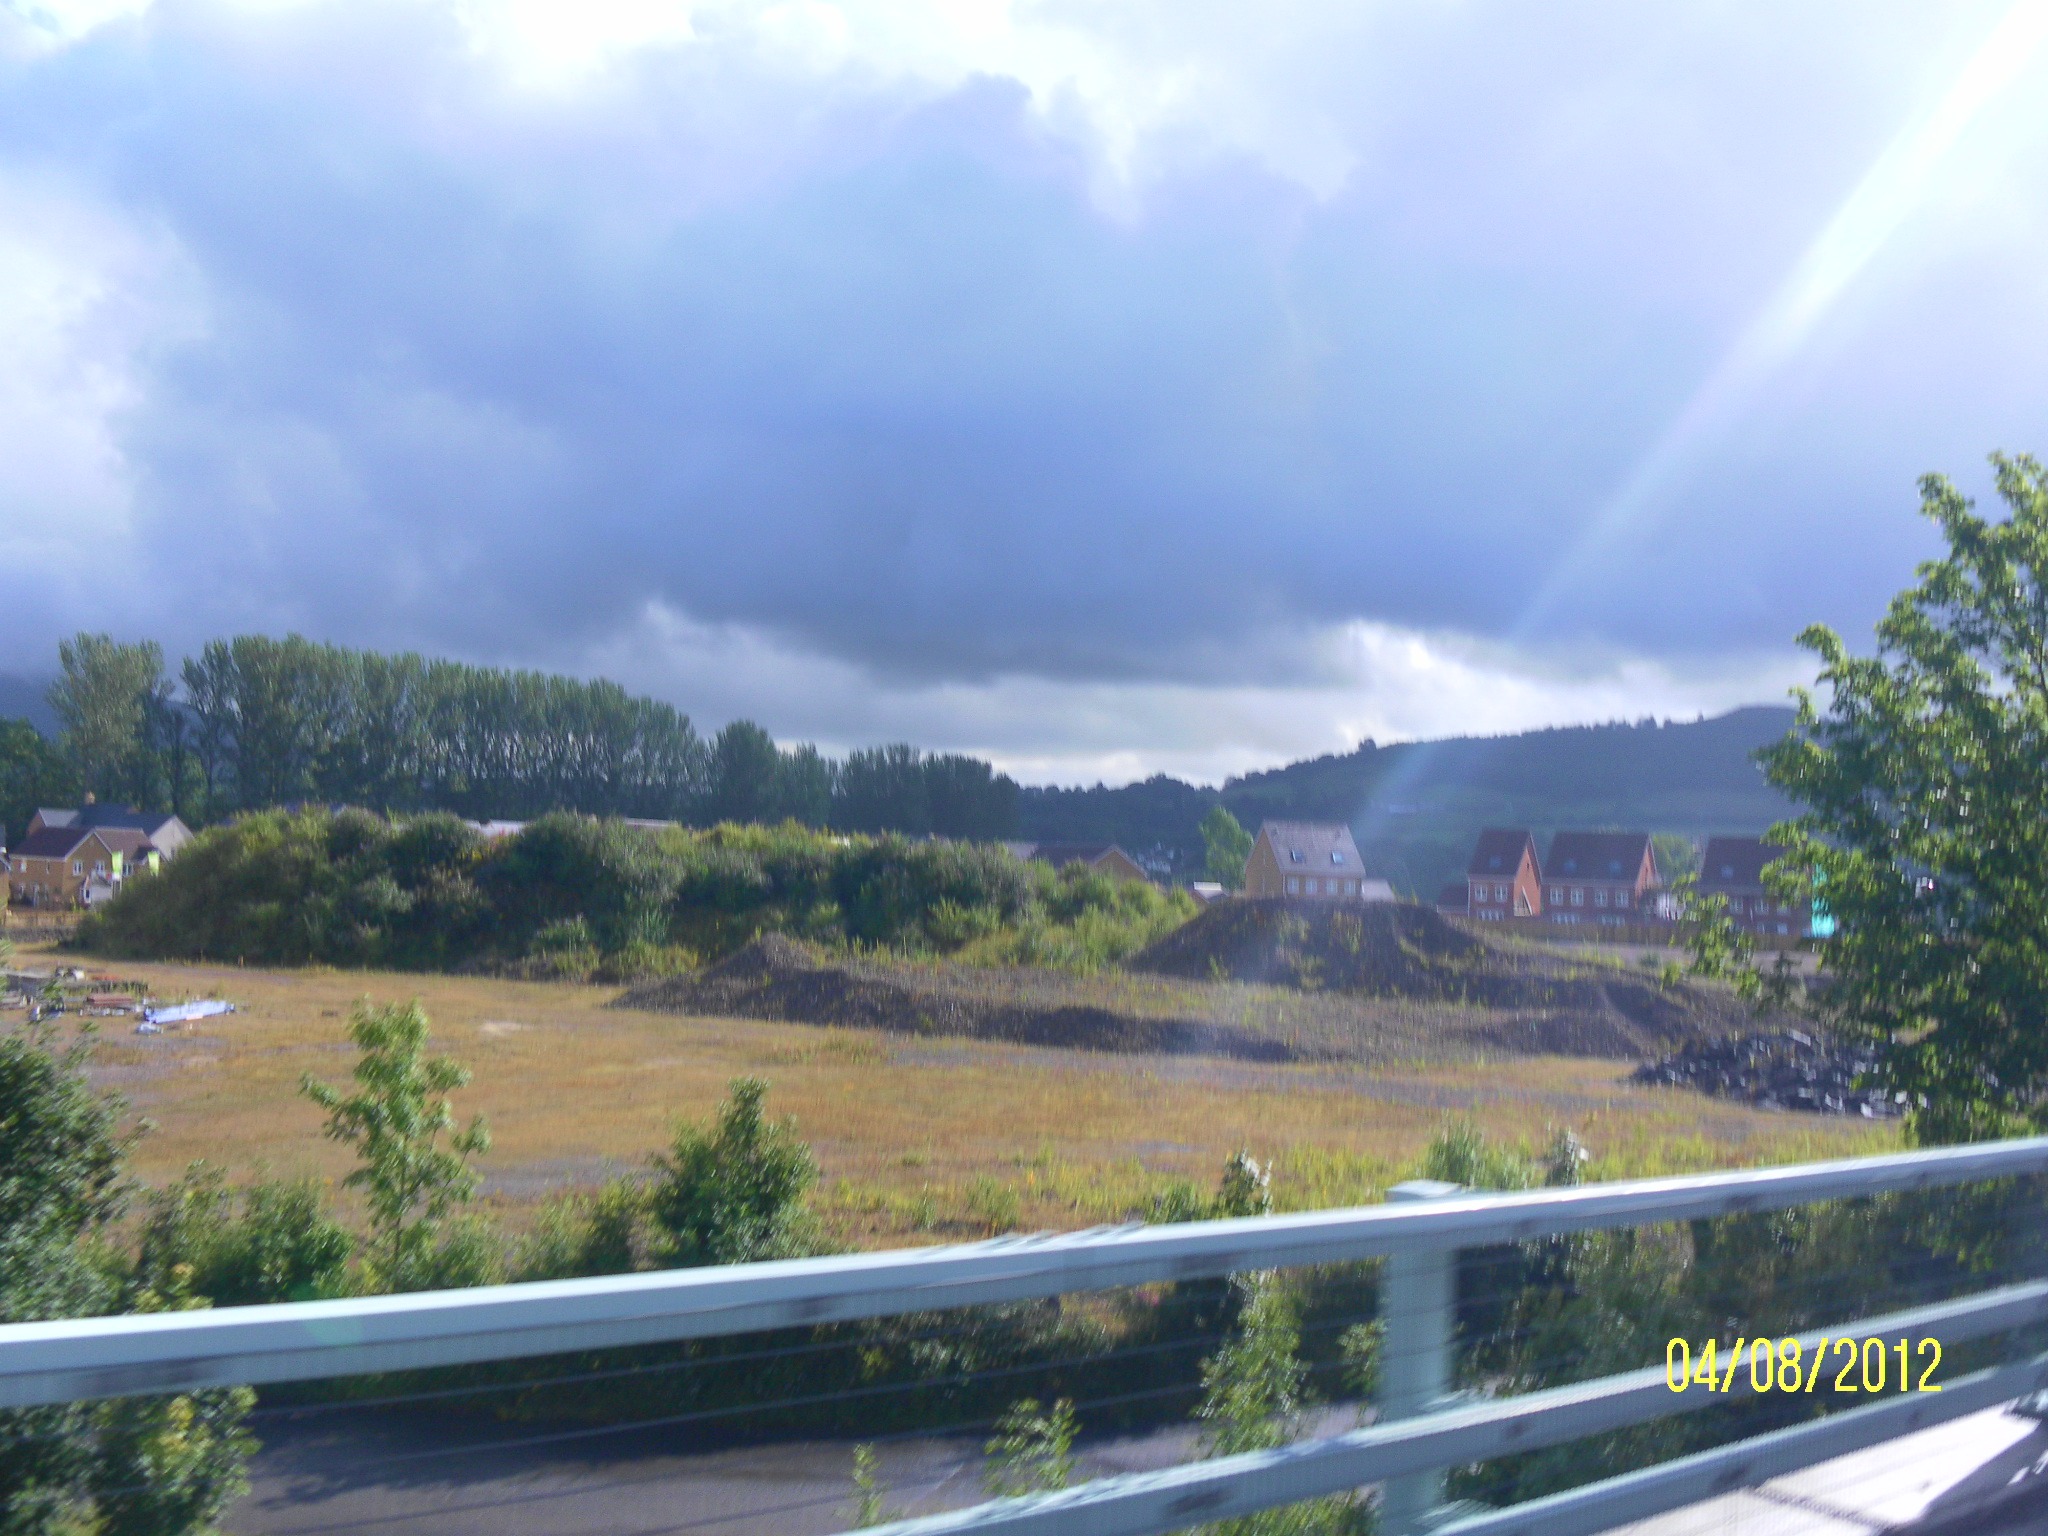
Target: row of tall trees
{"points": [[252, 722]]}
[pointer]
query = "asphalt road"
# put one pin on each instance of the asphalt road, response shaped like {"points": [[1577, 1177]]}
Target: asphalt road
{"points": [[391, 1474]]}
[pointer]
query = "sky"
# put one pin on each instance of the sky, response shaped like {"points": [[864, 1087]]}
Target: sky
{"points": [[1104, 388]]}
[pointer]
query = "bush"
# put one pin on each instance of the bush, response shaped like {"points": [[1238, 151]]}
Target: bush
{"points": [[273, 1241], [575, 896], [136, 1466], [601, 1234], [735, 1193]]}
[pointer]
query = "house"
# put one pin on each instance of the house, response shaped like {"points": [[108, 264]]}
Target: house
{"points": [[1733, 869], [164, 832], [1604, 877], [1504, 879], [1105, 857], [1310, 858], [69, 866]]}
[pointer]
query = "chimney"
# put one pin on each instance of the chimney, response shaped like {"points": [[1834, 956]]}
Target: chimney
{"points": [[88, 797]]}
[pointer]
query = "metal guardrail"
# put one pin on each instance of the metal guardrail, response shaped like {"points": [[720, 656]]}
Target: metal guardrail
{"points": [[85, 1358]]}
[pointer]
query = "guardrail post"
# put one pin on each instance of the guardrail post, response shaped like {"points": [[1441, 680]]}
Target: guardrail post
{"points": [[1416, 1309]]}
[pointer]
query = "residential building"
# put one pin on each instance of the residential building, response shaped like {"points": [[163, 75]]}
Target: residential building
{"points": [[1310, 859], [1105, 857], [1600, 877], [1733, 869], [165, 832], [1504, 878], [57, 866]]}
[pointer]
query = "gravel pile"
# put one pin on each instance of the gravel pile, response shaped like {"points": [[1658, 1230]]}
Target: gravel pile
{"points": [[1789, 1069]]}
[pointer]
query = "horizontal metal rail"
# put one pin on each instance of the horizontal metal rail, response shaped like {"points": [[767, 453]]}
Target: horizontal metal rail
{"points": [[84, 1358], [1146, 1504]]}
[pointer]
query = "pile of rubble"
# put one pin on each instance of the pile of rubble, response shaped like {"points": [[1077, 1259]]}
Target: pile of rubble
{"points": [[1789, 1069]]}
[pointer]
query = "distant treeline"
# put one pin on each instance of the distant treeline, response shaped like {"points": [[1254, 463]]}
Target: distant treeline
{"points": [[254, 722]]}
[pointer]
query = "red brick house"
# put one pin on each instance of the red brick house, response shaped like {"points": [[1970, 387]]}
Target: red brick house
{"points": [[1733, 869], [1599, 877], [1504, 879]]}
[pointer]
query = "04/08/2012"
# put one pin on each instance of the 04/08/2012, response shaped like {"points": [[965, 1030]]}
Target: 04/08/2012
{"points": [[1857, 1365]]}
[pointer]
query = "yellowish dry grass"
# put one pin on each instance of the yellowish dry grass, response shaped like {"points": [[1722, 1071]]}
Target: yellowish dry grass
{"points": [[913, 1135]]}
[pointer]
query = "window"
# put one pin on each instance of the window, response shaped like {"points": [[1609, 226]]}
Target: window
{"points": [[1296, 856], [1600, 897], [1350, 887], [1557, 895], [1311, 887], [1336, 855], [1578, 895], [1293, 886], [77, 868], [1621, 898], [1500, 893]]}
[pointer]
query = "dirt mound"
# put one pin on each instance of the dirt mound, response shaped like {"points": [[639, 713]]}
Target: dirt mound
{"points": [[778, 978], [1785, 1069], [1396, 950]]}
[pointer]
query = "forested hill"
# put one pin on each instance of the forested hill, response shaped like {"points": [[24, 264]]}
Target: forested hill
{"points": [[1415, 806]]}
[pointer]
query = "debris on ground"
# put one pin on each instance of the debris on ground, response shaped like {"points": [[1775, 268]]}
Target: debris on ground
{"points": [[1785, 1069]]}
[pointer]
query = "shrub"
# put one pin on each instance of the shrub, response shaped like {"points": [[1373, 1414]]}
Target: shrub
{"points": [[135, 1466], [273, 1241], [734, 1193], [601, 1234]]}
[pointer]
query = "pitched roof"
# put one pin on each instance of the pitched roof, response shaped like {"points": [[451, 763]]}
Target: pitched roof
{"points": [[1735, 862], [118, 816], [48, 842], [59, 842], [1596, 856], [1499, 851], [129, 842], [1312, 845], [55, 818]]}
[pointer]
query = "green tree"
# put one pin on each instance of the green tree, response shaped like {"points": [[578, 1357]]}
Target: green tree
{"points": [[152, 1466], [745, 770], [1228, 845], [1924, 787], [104, 698], [734, 1193], [397, 1120], [33, 772]]}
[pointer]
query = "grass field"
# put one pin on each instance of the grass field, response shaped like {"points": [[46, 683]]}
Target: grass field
{"points": [[919, 1139]]}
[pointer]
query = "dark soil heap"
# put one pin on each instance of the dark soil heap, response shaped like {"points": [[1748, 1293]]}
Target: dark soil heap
{"points": [[778, 978], [1256, 980], [1395, 950], [1789, 1069]]}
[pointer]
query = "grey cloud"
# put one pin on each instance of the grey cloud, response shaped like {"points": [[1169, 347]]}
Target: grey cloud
{"points": [[867, 368]]}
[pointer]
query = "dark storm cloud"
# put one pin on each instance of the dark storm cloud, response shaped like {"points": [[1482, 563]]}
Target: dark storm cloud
{"points": [[875, 366]]}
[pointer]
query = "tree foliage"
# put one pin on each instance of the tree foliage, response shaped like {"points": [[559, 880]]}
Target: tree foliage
{"points": [[734, 1193], [147, 1466], [1227, 846], [1923, 787], [397, 1119], [572, 895]]}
